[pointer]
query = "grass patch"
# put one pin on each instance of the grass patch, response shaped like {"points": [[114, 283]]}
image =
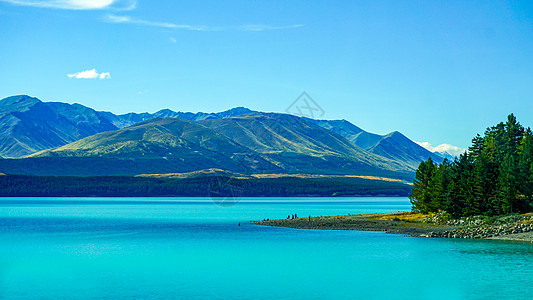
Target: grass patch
{"points": [[406, 217]]}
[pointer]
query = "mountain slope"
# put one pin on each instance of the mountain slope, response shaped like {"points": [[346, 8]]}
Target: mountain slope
{"points": [[187, 145], [125, 120], [394, 145], [297, 145], [268, 141], [251, 143], [28, 125], [354, 134]]}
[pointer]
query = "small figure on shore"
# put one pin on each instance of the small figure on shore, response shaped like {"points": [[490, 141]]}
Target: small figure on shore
{"points": [[239, 223], [295, 216], [288, 217], [309, 218]]}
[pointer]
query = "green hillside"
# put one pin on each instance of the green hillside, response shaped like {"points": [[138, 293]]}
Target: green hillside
{"points": [[251, 143]]}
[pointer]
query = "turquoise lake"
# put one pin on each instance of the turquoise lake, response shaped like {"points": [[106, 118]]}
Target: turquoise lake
{"points": [[164, 248]]}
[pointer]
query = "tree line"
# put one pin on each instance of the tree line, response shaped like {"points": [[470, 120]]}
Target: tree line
{"points": [[494, 177], [204, 186]]}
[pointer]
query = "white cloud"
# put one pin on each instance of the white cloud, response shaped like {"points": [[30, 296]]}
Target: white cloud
{"points": [[172, 40], [77, 4], [127, 19], [451, 149], [90, 74]]}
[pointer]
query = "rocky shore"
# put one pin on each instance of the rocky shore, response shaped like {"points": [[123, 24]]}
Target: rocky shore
{"points": [[512, 227], [498, 228]]}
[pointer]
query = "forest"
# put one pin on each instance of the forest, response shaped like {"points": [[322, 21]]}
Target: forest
{"points": [[494, 177], [202, 186]]}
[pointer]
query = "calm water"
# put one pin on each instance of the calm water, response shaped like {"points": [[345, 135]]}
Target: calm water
{"points": [[78, 248]]}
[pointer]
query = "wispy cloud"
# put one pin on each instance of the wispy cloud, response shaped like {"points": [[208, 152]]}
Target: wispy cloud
{"points": [[77, 4], [90, 74], [127, 19], [251, 27], [442, 148]]}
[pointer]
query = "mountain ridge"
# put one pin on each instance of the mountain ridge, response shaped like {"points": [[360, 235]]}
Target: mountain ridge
{"points": [[281, 142], [29, 125], [251, 143], [393, 145]]}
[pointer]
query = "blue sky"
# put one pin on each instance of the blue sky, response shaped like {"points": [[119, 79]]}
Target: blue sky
{"points": [[438, 71]]}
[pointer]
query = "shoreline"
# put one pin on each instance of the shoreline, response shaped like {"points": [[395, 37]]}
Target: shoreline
{"points": [[508, 228]]}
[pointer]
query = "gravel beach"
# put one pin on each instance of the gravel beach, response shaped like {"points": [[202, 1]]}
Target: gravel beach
{"points": [[515, 228]]}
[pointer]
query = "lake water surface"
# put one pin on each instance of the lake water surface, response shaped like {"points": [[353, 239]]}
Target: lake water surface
{"points": [[161, 248]]}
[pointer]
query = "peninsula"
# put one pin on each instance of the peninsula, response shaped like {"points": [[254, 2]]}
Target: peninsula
{"points": [[511, 227]]}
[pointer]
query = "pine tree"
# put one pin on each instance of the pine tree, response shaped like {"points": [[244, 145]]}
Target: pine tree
{"points": [[494, 177], [485, 176], [466, 185], [455, 198], [420, 195], [477, 146], [514, 134], [439, 185], [525, 172], [508, 178]]}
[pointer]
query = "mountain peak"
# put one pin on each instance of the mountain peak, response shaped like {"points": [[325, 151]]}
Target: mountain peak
{"points": [[396, 135], [165, 111], [397, 146], [18, 98], [17, 103], [315, 141], [240, 110]]}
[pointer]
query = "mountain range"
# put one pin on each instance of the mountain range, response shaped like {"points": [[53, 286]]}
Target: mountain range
{"points": [[54, 138], [394, 145], [28, 125]]}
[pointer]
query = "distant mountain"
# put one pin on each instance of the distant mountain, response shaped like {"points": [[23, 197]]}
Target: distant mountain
{"points": [[28, 125], [445, 154], [394, 145], [250, 143], [297, 145], [447, 151], [125, 120], [190, 146], [172, 141]]}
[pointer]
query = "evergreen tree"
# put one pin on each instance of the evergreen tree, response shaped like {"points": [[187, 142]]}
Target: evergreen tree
{"points": [[495, 176], [455, 198], [420, 196], [507, 184], [439, 185], [477, 146], [525, 172], [485, 175], [508, 178], [465, 170], [514, 135]]}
